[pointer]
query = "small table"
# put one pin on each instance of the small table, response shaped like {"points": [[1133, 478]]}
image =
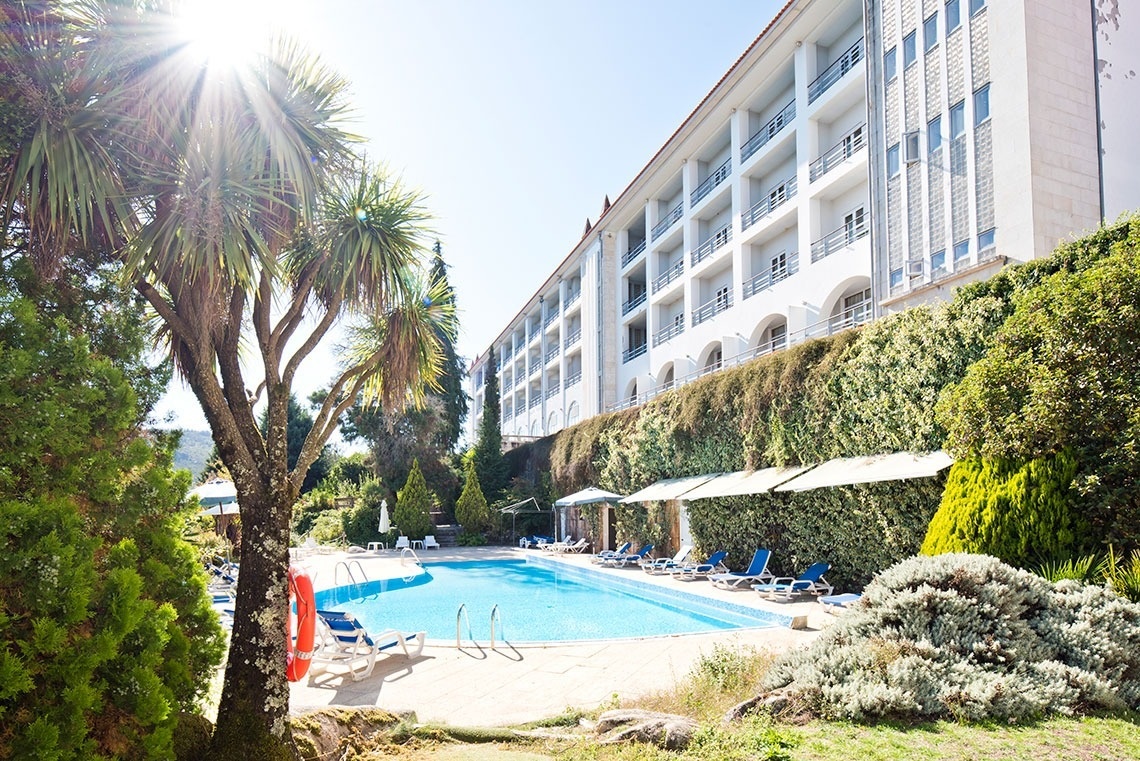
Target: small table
{"points": [[417, 544], [377, 546]]}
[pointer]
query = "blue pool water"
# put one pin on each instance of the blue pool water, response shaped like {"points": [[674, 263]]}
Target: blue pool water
{"points": [[538, 602]]}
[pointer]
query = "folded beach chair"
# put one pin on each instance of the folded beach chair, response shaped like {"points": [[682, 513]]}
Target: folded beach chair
{"points": [[344, 640], [610, 553], [757, 571], [621, 561], [579, 546], [560, 547], [694, 571], [662, 565], [810, 582], [837, 604]]}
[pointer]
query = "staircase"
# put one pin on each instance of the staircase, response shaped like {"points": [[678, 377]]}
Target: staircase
{"points": [[445, 535]]}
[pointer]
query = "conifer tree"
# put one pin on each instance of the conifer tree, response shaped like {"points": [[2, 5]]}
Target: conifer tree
{"points": [[413, 505], [450, 394], [471, 509], [489, 463]]}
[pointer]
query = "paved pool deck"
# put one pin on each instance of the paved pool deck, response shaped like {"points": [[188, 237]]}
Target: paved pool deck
{"points": [[518, 683]]}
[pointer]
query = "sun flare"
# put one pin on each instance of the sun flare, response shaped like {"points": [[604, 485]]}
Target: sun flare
{"points": [[233, 32]]}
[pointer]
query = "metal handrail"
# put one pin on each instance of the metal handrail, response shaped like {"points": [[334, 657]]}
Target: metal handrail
{"points": [[633, 253], [666, 333], [347, 565], [712, 308], [716, 177], [770, 277], [571, 379], [836, 70], [670, 217], [768, 131], [470, 635], [553, 392], [571, 298], [669, 275], [534, 402], [715, 241], [635, 352], [496, 614], [838, 153], [572, 338], [775, 197], [551, 317], [839, 238], [551, 353], [633, 303], [405, 552]]}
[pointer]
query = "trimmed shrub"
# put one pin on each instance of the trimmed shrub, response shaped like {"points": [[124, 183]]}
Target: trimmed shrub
{"points": [[969, 637], [412, 515], [471, 509]]}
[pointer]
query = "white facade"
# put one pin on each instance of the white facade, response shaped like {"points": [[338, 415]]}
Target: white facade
{"points": [[819, 183]]}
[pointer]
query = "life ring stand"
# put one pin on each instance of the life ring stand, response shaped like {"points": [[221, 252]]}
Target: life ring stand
{"points": [[299, 655]]}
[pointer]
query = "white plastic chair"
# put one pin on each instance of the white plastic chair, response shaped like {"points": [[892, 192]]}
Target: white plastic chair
{"points": [[402, 543], [430, 542]]}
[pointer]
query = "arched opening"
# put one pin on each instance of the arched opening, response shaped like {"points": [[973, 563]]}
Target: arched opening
{"points": [[712, 359], [573, 414], [553, 422]]}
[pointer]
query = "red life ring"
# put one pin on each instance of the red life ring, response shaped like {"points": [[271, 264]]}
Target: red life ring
{"points": [[297, 656]]}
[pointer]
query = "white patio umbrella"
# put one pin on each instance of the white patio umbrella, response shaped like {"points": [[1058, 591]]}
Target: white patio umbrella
{"points": [[229, 508], [588, 496], [215, 492], [385, 524]]}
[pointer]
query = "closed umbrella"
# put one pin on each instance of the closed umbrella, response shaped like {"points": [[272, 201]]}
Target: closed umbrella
{"points": [[385, 521]]}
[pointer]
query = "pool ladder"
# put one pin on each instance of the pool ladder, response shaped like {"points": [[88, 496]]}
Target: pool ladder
{"points": [[348, 566], [461, 615]]}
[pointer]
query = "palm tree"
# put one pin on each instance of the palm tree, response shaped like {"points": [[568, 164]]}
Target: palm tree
{"points": [[240, 214]]}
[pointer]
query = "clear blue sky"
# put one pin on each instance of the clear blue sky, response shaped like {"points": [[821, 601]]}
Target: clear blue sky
{"points": [[515, 117]]}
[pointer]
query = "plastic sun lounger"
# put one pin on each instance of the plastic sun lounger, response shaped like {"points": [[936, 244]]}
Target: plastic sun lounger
{"points": [[662, 565], [344, 640], [621, 561], [694, 571], [757, 571], [610, 553], [810, 582], [837, 604]]}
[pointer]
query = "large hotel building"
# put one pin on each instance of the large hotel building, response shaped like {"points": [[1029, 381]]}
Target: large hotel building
{"points": [[860, 157]]}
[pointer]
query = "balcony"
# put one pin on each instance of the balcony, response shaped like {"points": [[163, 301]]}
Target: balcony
{"points": [[551, 353], [718, 240], [634, 353], [633, 303], [840, 238], [768, 131], [553, 392], [633, 253], [550, 318], [535, 400], [840, 152], [772, 275], [835, 71], [712, 308], [668, 332], [773, 199], [853, 317], [572, 379], [669, 220], [571, 298], [719, 175], [669, 275], [572, 338]]}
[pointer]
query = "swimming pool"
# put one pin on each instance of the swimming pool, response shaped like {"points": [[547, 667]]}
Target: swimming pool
{"points": [[539, 601]]}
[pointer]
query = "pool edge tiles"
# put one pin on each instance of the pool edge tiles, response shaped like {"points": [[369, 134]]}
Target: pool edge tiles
{"points": [[651, 591]]}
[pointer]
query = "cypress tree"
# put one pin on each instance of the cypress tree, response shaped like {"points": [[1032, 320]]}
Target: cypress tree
{"points": [[452, 397], [413, 505], [489, 463], [471, 509]]}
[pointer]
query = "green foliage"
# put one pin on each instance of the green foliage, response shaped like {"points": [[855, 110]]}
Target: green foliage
{"points": [[470, 539], [1022, 513], [968, 637], [310, 508], [413, 506], [1123, 574], [350, 471], [489, 463], [361, 521], [471, 509]]}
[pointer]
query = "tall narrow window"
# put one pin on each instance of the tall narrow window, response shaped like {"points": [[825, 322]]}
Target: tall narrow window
{"points": [[779, 266], [853, 225], [778, 336], [953, 15], [930, 33], [981, 105], [893, 160], [722, 298], [934, 134], [910, 50], [976, 5], [957, 120], [890, 64]]}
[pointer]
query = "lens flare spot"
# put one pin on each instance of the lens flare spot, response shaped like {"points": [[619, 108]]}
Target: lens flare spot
{"points": [[361, 214]]}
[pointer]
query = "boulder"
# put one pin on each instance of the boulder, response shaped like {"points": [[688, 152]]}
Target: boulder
{"points": [[664, 730]]}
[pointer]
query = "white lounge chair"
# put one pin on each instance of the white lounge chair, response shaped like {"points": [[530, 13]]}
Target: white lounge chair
{"points": [[757, 571], [663, 565], [810, 582], [610, 553], [694, 571], [621, 561], [430, 543], [402, 543], [344, 640]]}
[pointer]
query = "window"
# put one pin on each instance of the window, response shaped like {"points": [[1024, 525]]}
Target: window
{"points": [[722, 298], [910, 147], [853, 225], [930, 33], [893, 160], [938, 262], [896, 278], [985, 240], [779, 266], [934, 134], [779, 336], [910, 52], [890, 64], [981, 105], [957, 120], [953, 15], [961, 251], [976, 5]]}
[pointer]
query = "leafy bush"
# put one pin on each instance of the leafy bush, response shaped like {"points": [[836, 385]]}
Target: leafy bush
{"points": [[361, 522], [328, 528], [1022, 513], [968, 637], [470, 539], [413, 506]]}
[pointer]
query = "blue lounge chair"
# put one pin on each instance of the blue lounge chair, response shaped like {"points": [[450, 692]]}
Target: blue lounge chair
{"points": [[344, 640], [694, 571], [810, 582], [621, 561], [534, 540], [610, 553], [757, 571], [662, 565]]}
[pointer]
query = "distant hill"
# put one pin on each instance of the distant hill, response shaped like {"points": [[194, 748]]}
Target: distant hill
{"points": [[193, 451]]}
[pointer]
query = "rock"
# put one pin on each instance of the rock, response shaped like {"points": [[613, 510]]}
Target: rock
{"points": [[664, 730], [774, 703]]}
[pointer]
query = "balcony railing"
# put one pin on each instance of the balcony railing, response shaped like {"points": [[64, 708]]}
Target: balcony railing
{"points": [[535, 400], [772, 275], [633, 303], [670, 218], [718, 239], [853, 317], [835, 71], [669, 331], [508, 413], [552, 352], [571, 298], [773, 199], [635, 352], [572, 338], [572, 379], [553, 392], [839, 238], [719, 175], [840, 152], [550, 317], [669, 275], [712, 308], [768, 131], [633, 253]]}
